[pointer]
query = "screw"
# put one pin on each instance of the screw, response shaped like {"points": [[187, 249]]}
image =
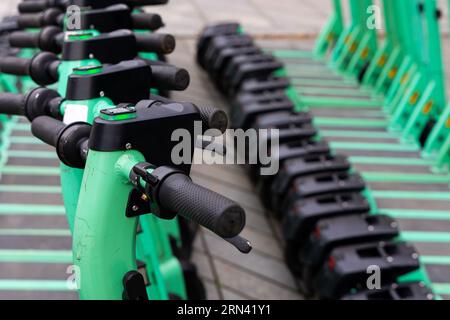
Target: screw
{"points": [[102, 94], [128, 146], [135, 208]]}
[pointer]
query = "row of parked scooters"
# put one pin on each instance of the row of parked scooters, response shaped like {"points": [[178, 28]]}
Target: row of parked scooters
{"points": [[334, 236], [98, 91]]}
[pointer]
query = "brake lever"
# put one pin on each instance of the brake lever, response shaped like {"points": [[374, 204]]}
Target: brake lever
{"points": [[240, 243]]}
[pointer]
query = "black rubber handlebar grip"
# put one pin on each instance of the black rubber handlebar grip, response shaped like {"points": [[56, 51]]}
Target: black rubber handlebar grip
{"points": [[15, 65], [38, 20], [147, 21], [45, 40], [157, 42], [40, 5], [146, 2], [8, 26], [12, 104], [24, 39], [210, 209], [33, 6], [213, 118], [47, 129], [32, 20], [169, 78]]}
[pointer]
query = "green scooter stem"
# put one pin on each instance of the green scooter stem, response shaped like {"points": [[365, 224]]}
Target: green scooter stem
{"points": [[100, 216], [155, 232]]}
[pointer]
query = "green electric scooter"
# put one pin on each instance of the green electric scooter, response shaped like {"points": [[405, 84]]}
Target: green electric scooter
{"points": [[120, 183]]}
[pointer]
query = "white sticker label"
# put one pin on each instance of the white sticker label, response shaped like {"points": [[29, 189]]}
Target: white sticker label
{"points": [[75, 113]]}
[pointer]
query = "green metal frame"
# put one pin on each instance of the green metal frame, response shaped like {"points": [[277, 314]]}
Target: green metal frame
{"points": [[104, 239], [331, 32]]}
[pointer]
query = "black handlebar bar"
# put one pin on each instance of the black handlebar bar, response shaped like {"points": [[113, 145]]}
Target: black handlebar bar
{"points": [[168, 77], [42, 68], [70, 141], [51, 39], [170, 189], [175, 191], [12, 104], [24, 39], [157, 42], [8, 26], [147, 21], [45, 40], [37, 102], [47, 129], [213, 118], [48, 17], [138, 3], [30, 6], [178, 193], [35, 6], [15, 65]]}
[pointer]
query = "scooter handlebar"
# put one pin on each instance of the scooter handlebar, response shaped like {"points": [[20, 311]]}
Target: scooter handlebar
{"points": [[168, 77], [38, 20], [47, 129], [15, 65], [147, 21], [45, 40], [33, 6], [155, 42], [24, 39], [215, 212], [213, 118], [12, 104], [139, 3], [40, 5]]}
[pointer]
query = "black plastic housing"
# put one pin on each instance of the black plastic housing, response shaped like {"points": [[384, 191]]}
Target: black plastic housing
{"points": [[209, 33], [150, 132], [112, 47], [126, 82], [303, 166], [346, 268], [302, 216]]}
